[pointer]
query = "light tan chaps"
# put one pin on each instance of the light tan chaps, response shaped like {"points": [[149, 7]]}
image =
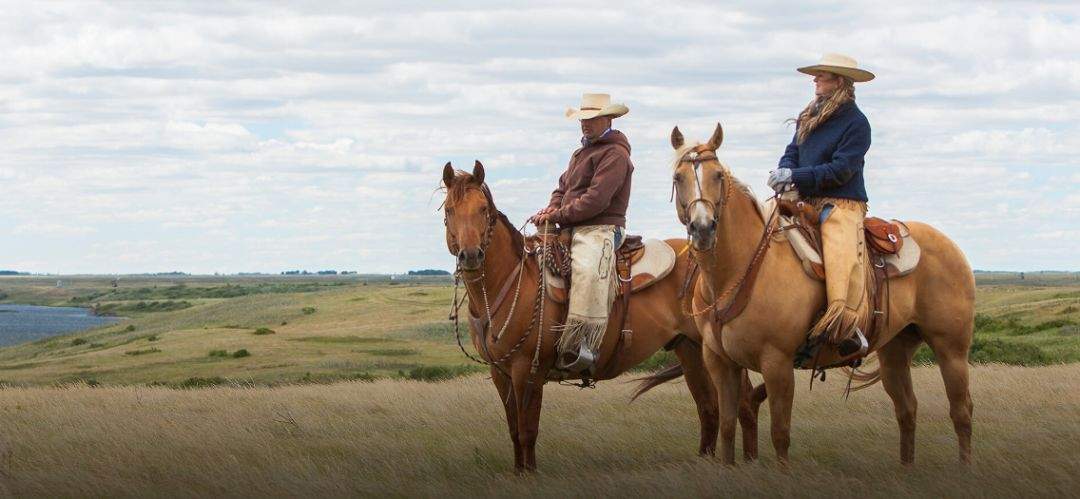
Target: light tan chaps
{"points": [[846, 263], [593, 284]]}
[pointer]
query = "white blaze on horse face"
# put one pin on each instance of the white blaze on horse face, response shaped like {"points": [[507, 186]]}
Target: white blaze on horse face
{"points": [[699, 215]]}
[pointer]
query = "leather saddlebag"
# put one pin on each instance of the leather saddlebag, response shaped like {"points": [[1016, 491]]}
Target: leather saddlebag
{"points": [[883, 236]]}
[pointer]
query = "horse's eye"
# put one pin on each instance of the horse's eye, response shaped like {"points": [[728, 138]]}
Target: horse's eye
{"points": [[449, 211], [719, 176], [677, 177]]}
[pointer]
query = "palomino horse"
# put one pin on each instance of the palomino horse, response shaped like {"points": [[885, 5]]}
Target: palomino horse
{"points": [[935, 304], [490, 252]]}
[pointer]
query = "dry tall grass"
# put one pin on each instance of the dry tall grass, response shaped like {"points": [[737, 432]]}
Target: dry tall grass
{"points": [[403, 438]]}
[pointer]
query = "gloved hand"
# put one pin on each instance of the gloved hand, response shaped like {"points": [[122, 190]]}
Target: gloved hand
{"points": [[779, 178]]}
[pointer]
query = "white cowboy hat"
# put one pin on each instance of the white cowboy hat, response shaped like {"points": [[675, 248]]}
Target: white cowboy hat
{"points": [[838, 64], [593, 105]]}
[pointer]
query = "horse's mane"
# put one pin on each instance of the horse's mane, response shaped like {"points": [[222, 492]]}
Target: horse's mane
{"points": [[463, 181], [739, 185]]}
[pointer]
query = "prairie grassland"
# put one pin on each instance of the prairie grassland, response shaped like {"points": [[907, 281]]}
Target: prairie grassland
{"points": [[404, 439], [295, 331], [184, 331]]}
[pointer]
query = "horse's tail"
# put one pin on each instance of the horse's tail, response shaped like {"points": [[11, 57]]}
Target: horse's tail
{"points": [[656, 379], [866, 378]]}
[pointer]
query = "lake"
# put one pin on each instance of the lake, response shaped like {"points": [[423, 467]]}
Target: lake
{"points": [[22, 323]]}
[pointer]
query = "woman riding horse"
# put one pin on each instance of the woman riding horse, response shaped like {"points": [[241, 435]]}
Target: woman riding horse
{"points": [[825, 163]]}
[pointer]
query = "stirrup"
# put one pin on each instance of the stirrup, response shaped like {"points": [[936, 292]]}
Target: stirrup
{"points": [[580, 362], [859, 352]]}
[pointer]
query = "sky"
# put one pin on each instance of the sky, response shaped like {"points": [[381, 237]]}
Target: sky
{"points": [[243, 137]]}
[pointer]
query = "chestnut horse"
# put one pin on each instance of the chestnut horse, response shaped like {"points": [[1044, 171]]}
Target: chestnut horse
{"points": [[489, 249], [933, 304]]}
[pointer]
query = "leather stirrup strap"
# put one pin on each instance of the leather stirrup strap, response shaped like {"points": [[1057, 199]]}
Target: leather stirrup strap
{"points": [[623, 339]]}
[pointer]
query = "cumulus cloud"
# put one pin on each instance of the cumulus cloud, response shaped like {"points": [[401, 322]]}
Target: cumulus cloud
{"points": [[246, 136]]}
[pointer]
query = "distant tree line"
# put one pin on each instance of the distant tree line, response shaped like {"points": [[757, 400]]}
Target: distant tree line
{"points": [[13, 272], [428, 272], [320, 272]]}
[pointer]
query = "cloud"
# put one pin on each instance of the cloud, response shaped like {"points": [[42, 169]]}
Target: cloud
{"points": [[243, 136], [52, 230]]}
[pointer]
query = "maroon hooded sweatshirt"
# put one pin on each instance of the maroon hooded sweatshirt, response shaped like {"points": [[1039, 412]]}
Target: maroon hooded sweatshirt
{"points": [[595, 188]]}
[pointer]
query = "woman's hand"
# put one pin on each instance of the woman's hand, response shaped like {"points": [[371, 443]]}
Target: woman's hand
{"points": [[779, 178]]}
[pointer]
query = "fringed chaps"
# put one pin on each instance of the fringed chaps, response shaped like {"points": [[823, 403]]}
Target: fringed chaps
{"points": [[593, 286], [846, 270]]}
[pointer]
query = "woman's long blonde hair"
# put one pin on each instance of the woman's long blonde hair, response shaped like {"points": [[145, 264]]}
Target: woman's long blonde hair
{"points": [[820, 109]]}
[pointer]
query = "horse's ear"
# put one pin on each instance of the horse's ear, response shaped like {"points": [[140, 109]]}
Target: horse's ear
{"points": [[717, 138], [478, 172], [676, 138], [448, 175]]}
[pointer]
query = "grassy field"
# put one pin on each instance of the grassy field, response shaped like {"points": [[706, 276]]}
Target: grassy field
{"points": [[293, 330], [198, 331], [97, 413], [406, 439]]}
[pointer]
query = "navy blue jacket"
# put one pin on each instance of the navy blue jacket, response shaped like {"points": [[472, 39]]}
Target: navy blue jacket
{"points": [[829, 163]]}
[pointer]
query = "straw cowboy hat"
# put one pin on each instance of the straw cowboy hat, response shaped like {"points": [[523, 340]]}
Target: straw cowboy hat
{"points": [[593, 105], [839, 64]]}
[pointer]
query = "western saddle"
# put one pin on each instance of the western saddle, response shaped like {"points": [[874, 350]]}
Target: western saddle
{"points": [[639, 264], [893, 253]]}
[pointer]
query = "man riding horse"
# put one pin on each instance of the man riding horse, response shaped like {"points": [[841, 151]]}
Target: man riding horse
{"points": [[824, 162], [591, 200]]}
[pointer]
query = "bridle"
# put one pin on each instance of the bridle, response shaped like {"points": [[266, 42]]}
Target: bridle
{"points": [[535, 322], [739, 291], [696, 156]]}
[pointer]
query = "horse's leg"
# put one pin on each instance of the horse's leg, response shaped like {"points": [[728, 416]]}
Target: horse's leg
{"points": [[951, 355], [749, 404], [779, 375], [701, 388], [506, 396], [727, 378], [895, 357], [528, 416]]}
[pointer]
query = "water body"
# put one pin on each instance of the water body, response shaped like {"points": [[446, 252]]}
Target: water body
{"points": [[22, 323]]}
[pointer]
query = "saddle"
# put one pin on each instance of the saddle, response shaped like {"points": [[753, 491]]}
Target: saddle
{"points": [[641, 262], [890, 242], [638, 263], [893, 253]]}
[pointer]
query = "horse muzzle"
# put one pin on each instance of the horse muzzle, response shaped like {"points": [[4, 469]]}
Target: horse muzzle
{"points": [[471, 258], [702, 234]]}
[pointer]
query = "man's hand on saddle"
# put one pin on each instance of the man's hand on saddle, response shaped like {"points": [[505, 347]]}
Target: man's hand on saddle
{"points": [[543, 216], [779, 179]]}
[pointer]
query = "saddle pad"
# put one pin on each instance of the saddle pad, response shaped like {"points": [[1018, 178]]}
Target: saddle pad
{"points": [[655, 263], [808, 254]]}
